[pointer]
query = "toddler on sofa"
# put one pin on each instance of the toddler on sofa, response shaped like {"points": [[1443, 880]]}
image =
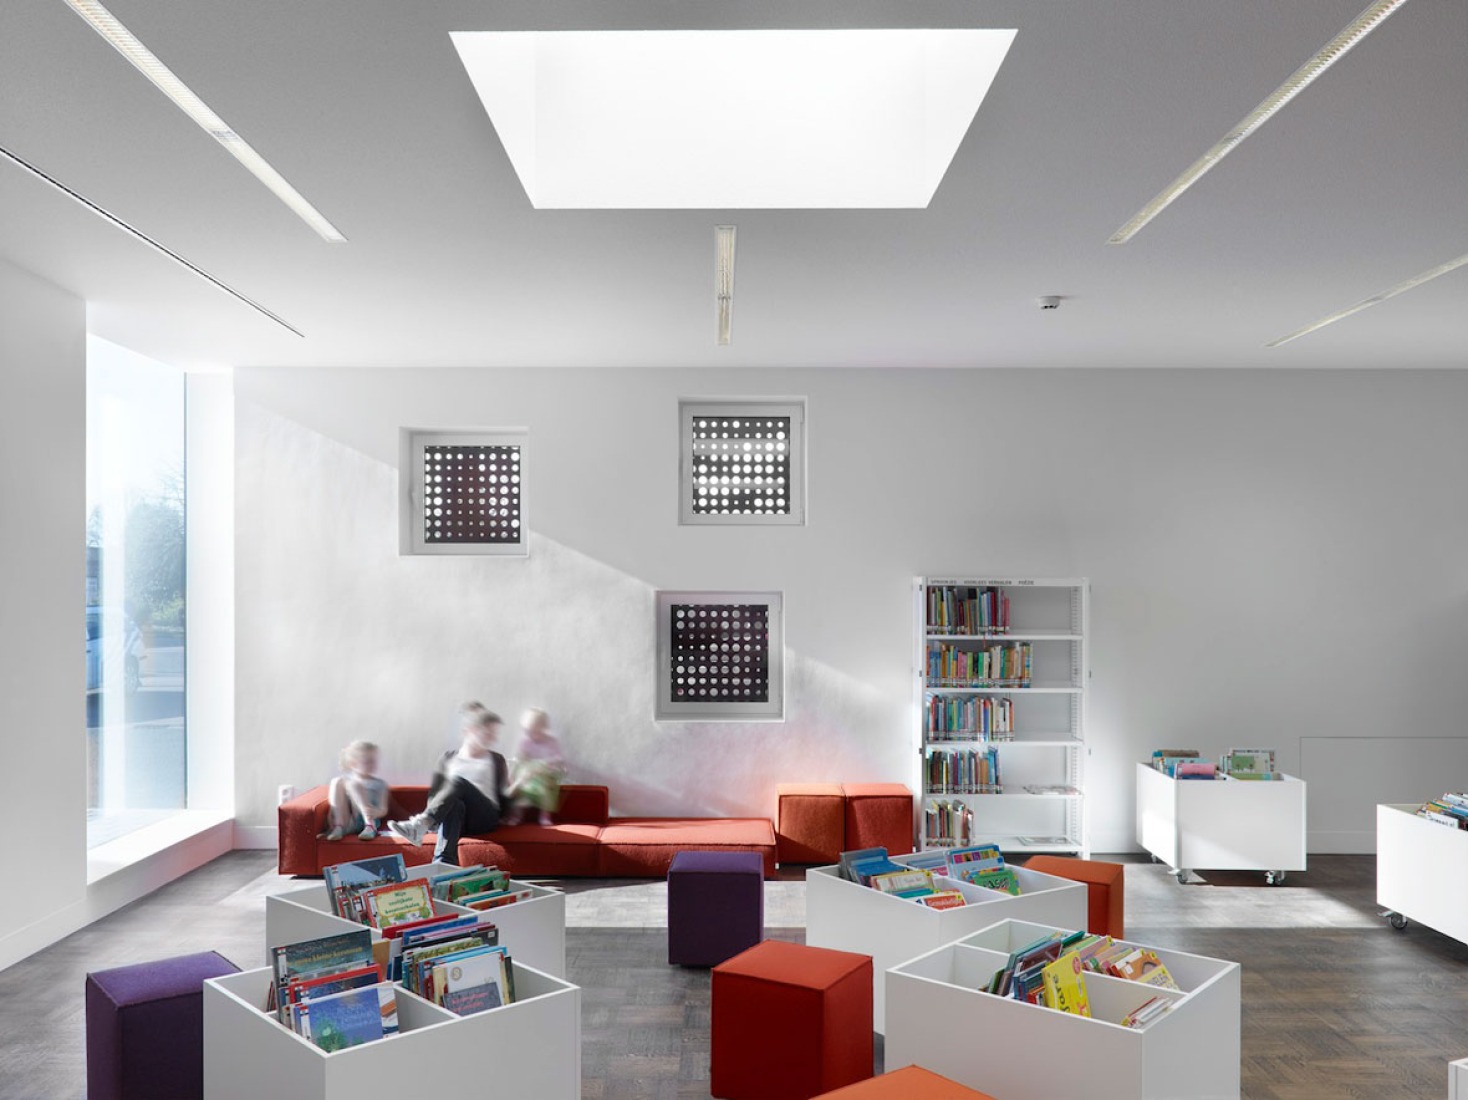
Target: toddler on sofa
{"points": [[357, 798], [540, 765]]}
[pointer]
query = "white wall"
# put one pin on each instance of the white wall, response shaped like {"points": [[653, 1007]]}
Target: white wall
{"points": [[42, 546], [1274, 557]]}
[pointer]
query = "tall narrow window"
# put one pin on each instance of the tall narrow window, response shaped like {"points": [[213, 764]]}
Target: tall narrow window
{"points": [[465, 492], [135, 616], [742, 462]]}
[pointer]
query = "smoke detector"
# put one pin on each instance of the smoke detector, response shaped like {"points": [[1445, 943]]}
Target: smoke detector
{"points": [[1049, 301]]}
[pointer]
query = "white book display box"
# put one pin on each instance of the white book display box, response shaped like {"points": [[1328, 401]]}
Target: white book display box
{"points": [[1420, 871], [850, 917], [533, 930], [939, 1019], [1222, 824], [1458, 1079], [529, 1048]]}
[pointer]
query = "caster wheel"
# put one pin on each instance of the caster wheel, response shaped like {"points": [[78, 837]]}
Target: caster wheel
{"points": [[1182, 877], [1156, 860], [1396, 920], [1274, 878]]}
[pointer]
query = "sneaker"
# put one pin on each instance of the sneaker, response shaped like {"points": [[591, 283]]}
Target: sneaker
{"points": [[545, 818], [369, 833], [411, 830], [512, 816], [334, 834]]}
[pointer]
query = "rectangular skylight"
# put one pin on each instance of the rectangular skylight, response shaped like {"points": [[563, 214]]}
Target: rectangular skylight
{"points": [[732, 119], [143, 59]]}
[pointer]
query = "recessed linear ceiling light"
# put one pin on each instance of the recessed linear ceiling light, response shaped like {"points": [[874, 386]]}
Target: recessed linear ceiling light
{"points": [[724, 280], [1333, 51], [850, 118], [138, 234], [1375, 299], [127, 44]]}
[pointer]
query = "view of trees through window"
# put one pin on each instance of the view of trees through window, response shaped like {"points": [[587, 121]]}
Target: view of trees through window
{"points": [[135, 609]]}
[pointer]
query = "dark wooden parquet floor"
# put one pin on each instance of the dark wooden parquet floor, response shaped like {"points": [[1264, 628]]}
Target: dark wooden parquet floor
{"points": [[1335, 1004]]}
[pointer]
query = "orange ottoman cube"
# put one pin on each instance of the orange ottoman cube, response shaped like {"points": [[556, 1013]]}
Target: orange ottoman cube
{"points": [[909, 1083], [1105, 889], [790, 1022], [810, 823], [878, 815]]}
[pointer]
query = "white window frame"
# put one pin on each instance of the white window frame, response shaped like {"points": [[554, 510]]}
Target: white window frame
{"points": [[411, 442], [772, 710], [689, 409]]}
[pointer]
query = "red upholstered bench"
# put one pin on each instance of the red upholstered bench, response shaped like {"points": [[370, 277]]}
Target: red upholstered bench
{"points": [[879, 815], [790, 1022], [810, 823], [908, 1083], [1105, 889]]}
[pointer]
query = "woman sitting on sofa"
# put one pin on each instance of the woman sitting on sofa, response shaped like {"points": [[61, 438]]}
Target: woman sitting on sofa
{"points": [[468, 791]]}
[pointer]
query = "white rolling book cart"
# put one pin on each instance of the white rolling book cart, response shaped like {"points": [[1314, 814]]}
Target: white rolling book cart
{"points": [[534, 930], [1421, 871], [848, 916], [529, 1048], [1222, 824], [938, 1019]]}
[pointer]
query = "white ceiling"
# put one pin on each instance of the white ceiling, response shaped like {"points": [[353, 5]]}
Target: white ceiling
{"points": [[364, 107]]}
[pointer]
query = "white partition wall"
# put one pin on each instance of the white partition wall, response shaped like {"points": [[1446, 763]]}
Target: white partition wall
{"points": [[847, 916], [534, 930], [1223, 824], [938, 1019], [1422, 870], [529, 1048]]}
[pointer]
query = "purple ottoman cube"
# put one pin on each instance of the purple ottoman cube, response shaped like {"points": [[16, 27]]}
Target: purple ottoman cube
{"points": [[716, 906], [145, 1028]]}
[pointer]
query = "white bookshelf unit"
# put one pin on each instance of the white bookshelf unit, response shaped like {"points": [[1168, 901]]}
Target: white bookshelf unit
{"points": [[529, 1048], [848, 916], [1222, 824], [938, 1019], [533, 930], [1035, 722], [1419, 871]]}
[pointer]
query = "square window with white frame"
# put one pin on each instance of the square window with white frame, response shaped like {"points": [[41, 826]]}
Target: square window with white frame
{"points": [[464, 492], [720, 656], [742, 461]]}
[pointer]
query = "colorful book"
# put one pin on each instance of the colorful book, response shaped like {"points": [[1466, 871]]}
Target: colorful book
{"points": [[497, 901], [475, 983], [312, 958], [1145, 1013], [304, 989], [480, 883], [406, 901], [1141, 965], [943, 899], [907, 883], [1002, 879], [846, 859], [1065, 985], [346, 881], [349, 1019]]}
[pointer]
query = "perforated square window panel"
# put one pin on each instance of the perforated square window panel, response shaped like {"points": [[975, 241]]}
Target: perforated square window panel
{"points": [[471, 494], [720, 655], [465, 492], [743, 462]]}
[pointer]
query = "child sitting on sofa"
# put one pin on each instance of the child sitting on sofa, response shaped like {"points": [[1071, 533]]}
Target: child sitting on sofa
{"points": [[357, 798], [540, 765], [468, 791]]}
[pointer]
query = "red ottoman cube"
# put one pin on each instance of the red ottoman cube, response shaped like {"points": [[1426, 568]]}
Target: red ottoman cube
{"points": [[909, 1083], [790, 1022], [1105, 889], [810, 823], [879, 815], [145, 1028]]}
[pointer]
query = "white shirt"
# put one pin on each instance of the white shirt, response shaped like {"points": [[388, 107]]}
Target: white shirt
{"points": [[479, 770]]}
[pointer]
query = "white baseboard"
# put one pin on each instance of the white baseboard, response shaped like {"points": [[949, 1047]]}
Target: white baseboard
{"points": [[256, 837]]}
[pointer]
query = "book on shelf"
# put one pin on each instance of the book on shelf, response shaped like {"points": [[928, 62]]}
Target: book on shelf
{"points": [[966, 609], [946, 822], [304, 989], [347, 882], [1008, 665], [1050, 971], [482, 880], [964, 771], [970, 718], [477, 983]]}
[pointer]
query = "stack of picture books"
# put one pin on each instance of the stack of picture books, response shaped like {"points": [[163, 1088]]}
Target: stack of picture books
{"points": [[1255, 764], [930, 878], [331, 991], [1450, 809], [465, 969], [377, 892], [982, 865], [1051, 972], [1184, 764], [476, 887], [961, 609]]}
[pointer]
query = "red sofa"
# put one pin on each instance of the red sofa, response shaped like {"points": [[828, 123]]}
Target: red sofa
{"points": [[584, 841]]}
